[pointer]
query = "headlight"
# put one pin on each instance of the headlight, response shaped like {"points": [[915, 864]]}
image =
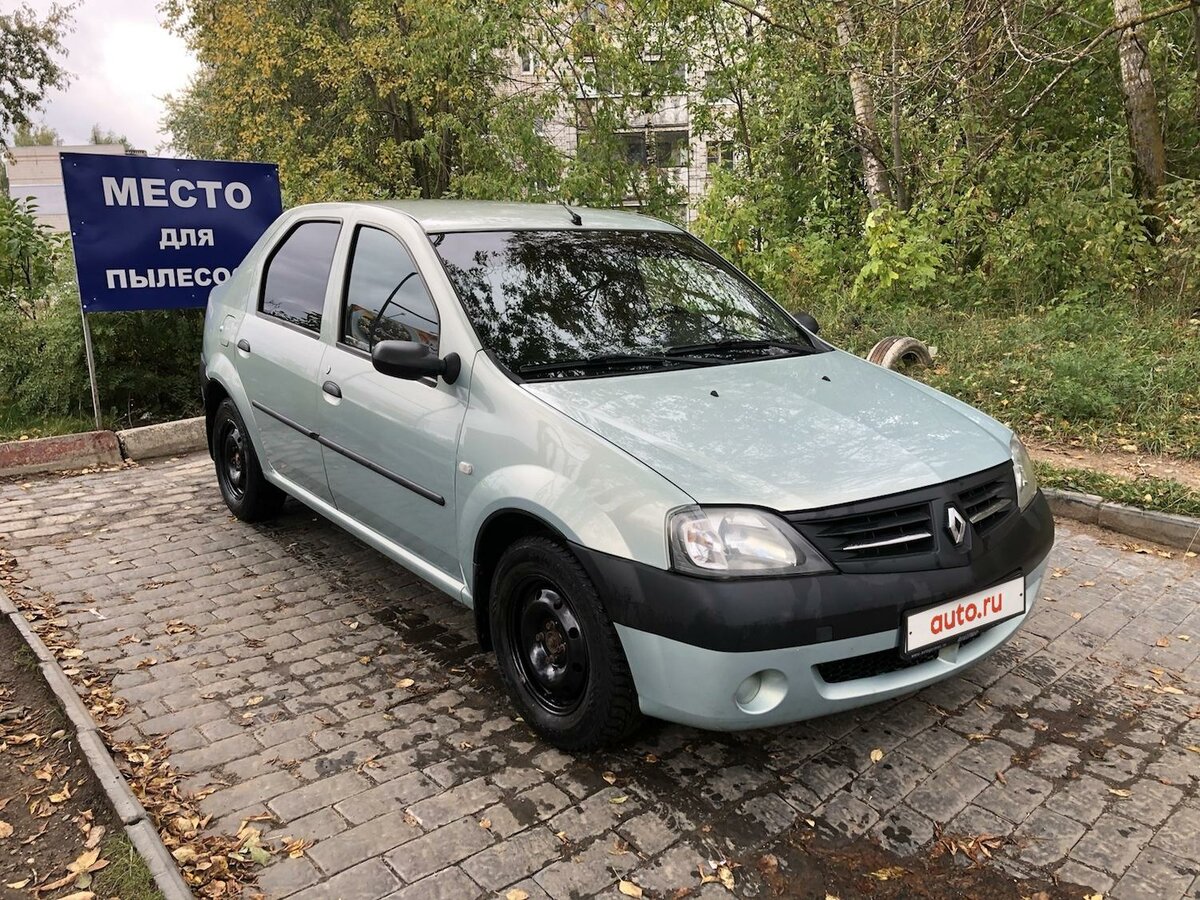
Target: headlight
{"points": [[1023, 469], [723, 541]]}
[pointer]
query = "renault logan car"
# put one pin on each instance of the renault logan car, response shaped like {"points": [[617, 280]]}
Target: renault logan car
{"points": [[660, 493]]}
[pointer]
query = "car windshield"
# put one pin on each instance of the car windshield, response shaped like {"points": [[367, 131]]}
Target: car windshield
{"points": [[582, 303]]}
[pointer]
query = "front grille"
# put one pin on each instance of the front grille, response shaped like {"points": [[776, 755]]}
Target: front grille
{"points": [[910, 528], [880, 663], [985, 505], [890, 532]]}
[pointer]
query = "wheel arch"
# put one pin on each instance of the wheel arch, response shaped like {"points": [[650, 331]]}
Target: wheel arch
{"points": [[499, 531]]}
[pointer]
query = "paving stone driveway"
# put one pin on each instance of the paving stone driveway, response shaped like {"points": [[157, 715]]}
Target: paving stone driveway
{"points": [[1079, 739]]}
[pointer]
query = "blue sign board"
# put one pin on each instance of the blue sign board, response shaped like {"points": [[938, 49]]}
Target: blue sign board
{"points": [[152, 233]]}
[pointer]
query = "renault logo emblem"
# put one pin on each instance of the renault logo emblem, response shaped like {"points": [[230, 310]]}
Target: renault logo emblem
{"points": [[956, 524]]}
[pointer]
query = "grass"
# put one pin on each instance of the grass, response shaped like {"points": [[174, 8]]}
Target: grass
{"points": [[1107, 375], [1160, 494], [14, 427], [126, 875]]}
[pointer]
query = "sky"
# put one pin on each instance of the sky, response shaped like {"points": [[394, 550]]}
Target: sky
{"points": [[123, 62]]}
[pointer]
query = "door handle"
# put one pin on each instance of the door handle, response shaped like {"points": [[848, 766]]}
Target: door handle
{"points": [[331, 389], [243, 345]]}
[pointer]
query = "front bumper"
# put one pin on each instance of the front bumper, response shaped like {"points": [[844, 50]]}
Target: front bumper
{"points": [[691, 642], [694, 686]]}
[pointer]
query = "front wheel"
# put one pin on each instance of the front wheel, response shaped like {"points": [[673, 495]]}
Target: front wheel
{"points": [[246, 491], [557, 650]]}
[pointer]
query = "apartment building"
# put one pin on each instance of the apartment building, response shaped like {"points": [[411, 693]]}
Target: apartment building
{"points": [[662, 139]]}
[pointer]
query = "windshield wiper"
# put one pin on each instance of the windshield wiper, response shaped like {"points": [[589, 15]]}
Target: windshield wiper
{"points": [[615, 360], [680, 350]]}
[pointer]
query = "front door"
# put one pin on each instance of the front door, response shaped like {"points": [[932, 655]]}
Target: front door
{"points": [[390, 445], [279, 352]]}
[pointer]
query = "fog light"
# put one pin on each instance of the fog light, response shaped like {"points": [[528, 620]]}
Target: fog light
{"points": [[761, 692], [748, 689]]}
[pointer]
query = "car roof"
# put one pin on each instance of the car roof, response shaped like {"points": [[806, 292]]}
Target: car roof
{"points": [[436, 216]]}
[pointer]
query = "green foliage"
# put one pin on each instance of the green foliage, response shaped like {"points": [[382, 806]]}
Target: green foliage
{"points": [[29, 68], [28, 256]]}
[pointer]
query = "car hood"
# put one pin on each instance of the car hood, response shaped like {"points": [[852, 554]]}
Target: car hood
{"points": [[792, 433]]}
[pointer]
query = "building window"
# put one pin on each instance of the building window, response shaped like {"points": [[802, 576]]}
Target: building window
{"points": [[720, 155], [527, 61], [670, 149]]}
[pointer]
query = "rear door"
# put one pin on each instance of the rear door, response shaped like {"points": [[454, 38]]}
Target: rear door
{"points": [[390, 445], [279, 351]]}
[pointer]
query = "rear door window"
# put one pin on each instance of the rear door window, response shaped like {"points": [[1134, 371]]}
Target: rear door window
{"points": [[386, 298], [298, 274]]}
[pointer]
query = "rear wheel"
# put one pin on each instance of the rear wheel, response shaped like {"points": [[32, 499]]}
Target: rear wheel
{"points": [[246, 491], [558, 653]]}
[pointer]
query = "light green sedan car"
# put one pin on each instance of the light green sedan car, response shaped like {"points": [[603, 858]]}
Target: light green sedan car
{"points": [[659, 492]]}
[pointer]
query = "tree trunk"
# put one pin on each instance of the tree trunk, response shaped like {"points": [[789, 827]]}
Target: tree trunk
{"points": [[1141, 104], [875, 173], [899, 182]]}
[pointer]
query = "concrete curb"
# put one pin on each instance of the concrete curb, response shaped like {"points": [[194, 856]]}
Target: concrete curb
{"points": [[54, 454], [101, 448], [165, 439], [1181, 532], [142, 832]]}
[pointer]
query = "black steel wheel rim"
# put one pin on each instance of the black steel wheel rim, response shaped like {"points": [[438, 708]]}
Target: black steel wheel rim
{"points": [[232, 465], [546, 644]]}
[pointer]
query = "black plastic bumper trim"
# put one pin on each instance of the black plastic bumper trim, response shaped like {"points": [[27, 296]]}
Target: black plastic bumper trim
{"points": [[772, 613]]}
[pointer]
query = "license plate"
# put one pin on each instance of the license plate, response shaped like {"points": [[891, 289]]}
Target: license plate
{"points": [[940, 624]]}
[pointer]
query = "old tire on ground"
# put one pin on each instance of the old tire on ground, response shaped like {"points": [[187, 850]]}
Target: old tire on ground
{"points": [[898, 353], [557, 650], [246, 492]]}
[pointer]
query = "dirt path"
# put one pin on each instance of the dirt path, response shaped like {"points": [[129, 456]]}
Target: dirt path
{"points": [[1121, 465], [57, 834]]}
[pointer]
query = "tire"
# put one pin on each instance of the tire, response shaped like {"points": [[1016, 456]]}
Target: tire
{"points": [[557, 650], [899, 353], [246, 492]]}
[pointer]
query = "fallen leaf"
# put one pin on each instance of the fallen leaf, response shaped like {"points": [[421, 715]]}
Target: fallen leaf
{"points": [[1120, 792], [516, 894], [876, 755], [72, 653], [84, 861], [62, 796], [889, 873], [650, 758], [629, 889], [1192, 748], [45, 773], [485, 823], [725, 875], [95, 835], [17, 885], [6, 830], [405, 683], [1163, 642], [618, 799], [610, 777], [1000, 777], [255, 700]]}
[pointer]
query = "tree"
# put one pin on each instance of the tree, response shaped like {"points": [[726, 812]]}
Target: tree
{"points": [[29, 66], [1141, 102], [362, 99], [108, 136], [875, 173], [36, 136]]}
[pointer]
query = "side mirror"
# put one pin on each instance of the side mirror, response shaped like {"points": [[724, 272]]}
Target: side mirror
{"points": [[808, 322], [413, 361]]}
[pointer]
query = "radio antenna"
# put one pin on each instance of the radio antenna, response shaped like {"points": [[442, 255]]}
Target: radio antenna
{"points": [[575, 218]]}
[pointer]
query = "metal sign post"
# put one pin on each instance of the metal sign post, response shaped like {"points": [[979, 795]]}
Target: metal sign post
{"points": [[91, 364]]}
